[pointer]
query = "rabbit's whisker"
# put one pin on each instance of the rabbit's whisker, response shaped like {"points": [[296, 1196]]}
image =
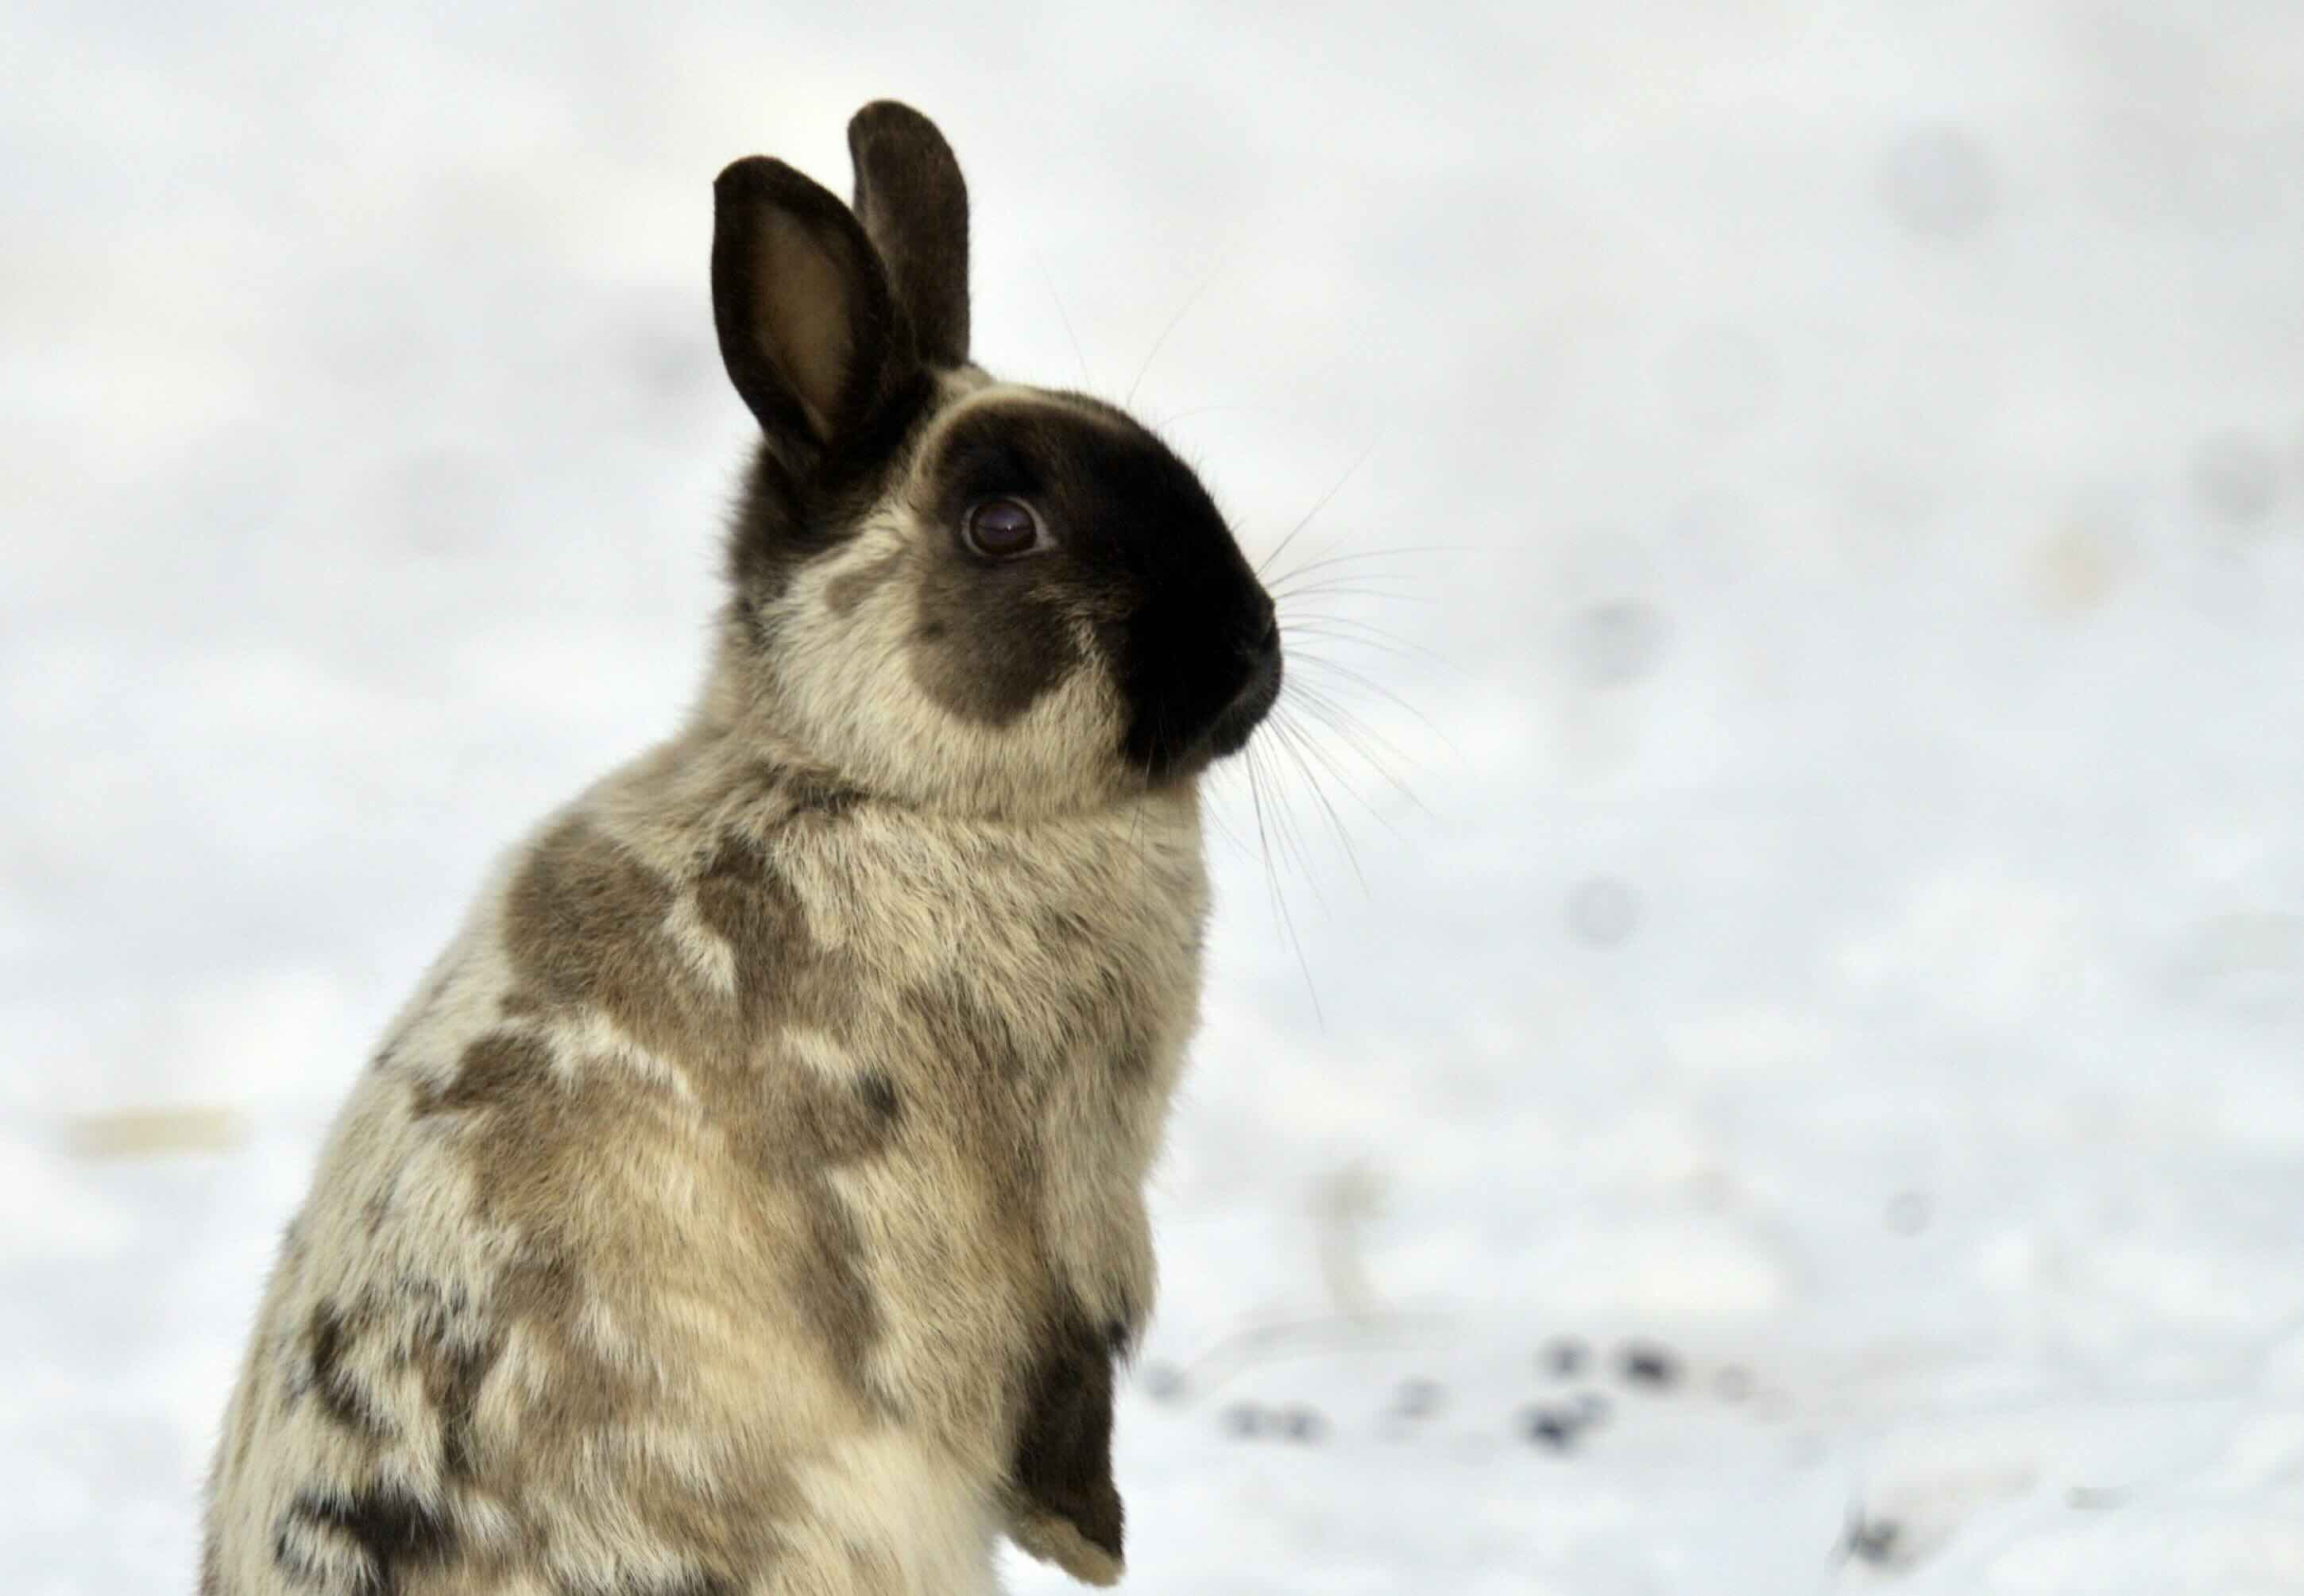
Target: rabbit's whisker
{"points": [[1041, 261], [1175, 321], [1318, 504]]}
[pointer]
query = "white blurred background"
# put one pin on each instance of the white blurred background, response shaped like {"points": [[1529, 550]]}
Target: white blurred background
{"points": [[1791, 1078]]}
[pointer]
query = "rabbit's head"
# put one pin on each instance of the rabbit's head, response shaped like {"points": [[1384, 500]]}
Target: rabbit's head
{"points": [[950, 590]]}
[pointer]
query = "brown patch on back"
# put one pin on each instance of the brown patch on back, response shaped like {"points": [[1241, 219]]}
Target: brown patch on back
{"points": [[452, 1385], [347, 1399], [498, 1066], [392, 1534], [880, 1096], [548, 1150], [587, 929], [815, 794], [584, 926], [670, 1222], [354, 1351], [755, 912], [832, 1292]]}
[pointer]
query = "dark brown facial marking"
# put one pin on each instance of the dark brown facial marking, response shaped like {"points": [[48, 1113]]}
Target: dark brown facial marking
{"points": [[1063, 1447], [988, 642], [1124, 546], [991, 636]]}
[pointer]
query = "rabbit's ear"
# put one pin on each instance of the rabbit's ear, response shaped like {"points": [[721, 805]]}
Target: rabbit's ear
{"points": [[807, 330], [912, 202]]}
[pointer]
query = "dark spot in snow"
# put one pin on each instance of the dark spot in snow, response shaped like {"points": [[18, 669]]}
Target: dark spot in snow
{"points": [[1164, 1382], [1419, 1399], [1303, 1424], [1553, 1428], [1871, 1540], [1645, 1363]]}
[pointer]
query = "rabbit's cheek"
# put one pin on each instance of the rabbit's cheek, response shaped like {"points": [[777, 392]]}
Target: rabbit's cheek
{"points": [[983, 656]]}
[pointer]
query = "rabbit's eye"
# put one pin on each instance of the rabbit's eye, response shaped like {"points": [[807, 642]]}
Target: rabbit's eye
{"points": [[1002, 528]]}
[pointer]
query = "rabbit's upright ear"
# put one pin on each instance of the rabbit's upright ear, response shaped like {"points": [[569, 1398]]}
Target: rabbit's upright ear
{"points": [[807, 329], [912, 202]]}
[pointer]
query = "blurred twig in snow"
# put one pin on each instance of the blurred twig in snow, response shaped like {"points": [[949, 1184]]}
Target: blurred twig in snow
{"points": [[140, 1133], [1343, 1202]]}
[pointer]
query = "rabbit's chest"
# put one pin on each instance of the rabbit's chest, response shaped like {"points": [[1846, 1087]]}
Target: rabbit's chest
{"points": [[1018, 1014], [1007, 967]]}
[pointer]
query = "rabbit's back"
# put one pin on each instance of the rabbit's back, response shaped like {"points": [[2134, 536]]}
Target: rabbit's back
{"points": [[707, 1222]]}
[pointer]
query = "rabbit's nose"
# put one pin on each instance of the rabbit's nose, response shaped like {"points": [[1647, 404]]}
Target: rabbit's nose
{"points": [[1268, 636]]}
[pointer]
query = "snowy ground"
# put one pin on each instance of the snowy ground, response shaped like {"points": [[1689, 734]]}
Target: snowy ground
{"points": [[1832, 487]]}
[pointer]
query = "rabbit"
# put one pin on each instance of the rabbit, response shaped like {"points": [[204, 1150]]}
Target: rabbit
{"points": [[750, 1200]]}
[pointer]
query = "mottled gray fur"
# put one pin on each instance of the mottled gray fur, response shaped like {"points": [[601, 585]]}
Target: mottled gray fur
{"points": [[751, 1201]]}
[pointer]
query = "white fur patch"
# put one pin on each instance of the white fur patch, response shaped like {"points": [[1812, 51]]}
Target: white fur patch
{"points": [[816, 1050], [895, 1499]]}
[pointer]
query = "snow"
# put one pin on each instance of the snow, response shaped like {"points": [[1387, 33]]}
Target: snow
{"points": [[1821, 492]]}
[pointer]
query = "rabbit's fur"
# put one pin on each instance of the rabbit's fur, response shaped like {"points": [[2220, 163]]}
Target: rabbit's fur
{"points": [[751, 1199]]}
